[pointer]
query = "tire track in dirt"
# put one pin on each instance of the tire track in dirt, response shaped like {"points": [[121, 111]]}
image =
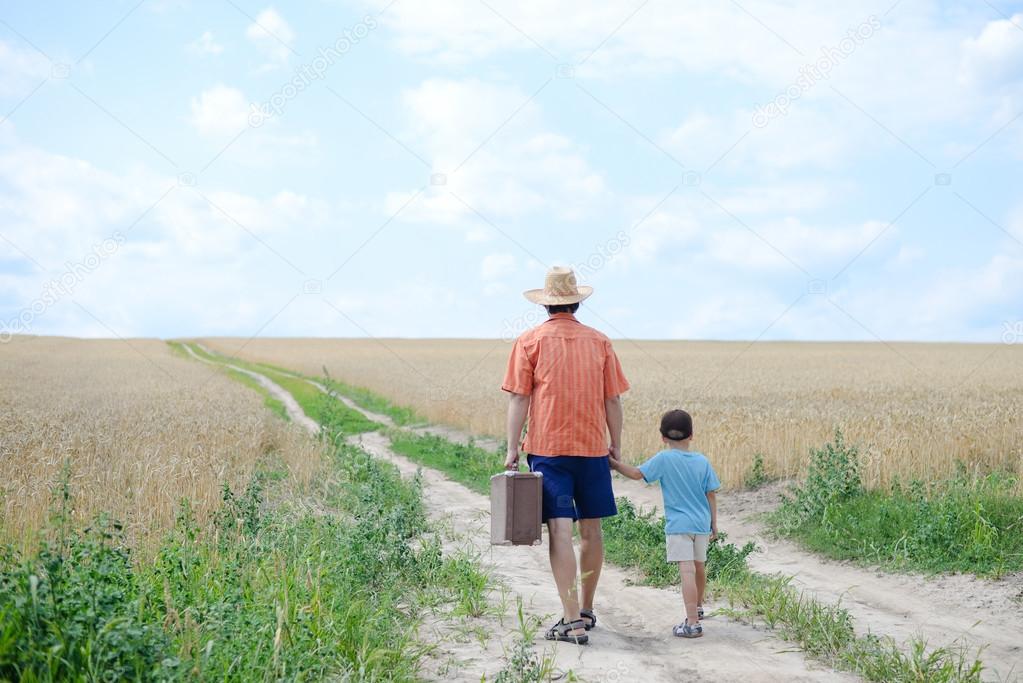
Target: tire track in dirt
{"points": [[633, 640]]}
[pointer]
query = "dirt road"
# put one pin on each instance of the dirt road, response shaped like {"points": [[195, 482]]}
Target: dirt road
{"points": [[633, 641], [944, 610]]}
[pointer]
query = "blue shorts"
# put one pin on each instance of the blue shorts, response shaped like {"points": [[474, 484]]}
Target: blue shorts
{"points": [[575, 486]]}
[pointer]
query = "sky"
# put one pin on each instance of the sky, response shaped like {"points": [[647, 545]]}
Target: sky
{"points": [[753, 170]]}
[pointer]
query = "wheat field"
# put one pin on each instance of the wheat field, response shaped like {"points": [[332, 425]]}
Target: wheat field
{"points": [[914, 409], [139, 429]]}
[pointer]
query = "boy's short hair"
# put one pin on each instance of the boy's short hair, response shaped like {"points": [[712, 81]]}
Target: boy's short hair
{"points": [[677, 425]]}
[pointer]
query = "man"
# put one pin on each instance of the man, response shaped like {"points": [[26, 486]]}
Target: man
{"points": [[568, 380]]}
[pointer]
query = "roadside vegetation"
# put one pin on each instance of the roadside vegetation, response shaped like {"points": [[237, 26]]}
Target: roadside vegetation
{"points": [[914, 419], [972, 523], [284, 580], [374, 403], [635, 539], [826, 632]]}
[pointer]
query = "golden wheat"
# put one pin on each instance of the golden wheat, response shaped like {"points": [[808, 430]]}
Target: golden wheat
{"points": [[139, 427], [914, 409]]}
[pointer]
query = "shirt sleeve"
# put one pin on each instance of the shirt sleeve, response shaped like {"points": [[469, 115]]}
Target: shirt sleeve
{"points": [[652, 469], [518, 379], [615, 383], [711, 481]]}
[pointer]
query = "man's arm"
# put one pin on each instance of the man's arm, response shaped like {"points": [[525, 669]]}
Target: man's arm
{"points": [[518, 409], [712, 498], [615, 420]]}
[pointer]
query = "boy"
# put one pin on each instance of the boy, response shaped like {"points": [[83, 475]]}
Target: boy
{"points": [[688, 484]]}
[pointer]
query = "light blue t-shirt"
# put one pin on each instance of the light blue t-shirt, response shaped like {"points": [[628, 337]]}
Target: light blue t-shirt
{"points": [[686, 477]]}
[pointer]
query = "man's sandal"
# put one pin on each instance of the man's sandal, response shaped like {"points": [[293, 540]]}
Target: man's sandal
{"points": [[588, 614], [560, 632]]}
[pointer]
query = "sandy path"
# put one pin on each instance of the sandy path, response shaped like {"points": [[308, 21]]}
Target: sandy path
{"points": [[632, 642], [944, 610], [295, 412]]}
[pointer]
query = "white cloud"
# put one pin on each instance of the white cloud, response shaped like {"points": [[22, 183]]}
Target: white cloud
{"points": [[498, 167], [497, 266], [20, 70], [962, 302], [272, 34], [205, 44], [656, 38], [807, 136], [58, 208], [772, 240], [899, 74], [220, 110], [996, 55]]}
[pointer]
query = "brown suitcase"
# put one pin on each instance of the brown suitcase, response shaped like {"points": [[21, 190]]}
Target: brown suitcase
{"points": [[516, 508]]}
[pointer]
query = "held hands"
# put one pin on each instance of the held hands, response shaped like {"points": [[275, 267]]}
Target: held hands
{"points": [[614, 456]]}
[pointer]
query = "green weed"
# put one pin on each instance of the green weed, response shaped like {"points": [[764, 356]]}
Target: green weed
{"points": [[468, 464], [757, 475], [971, 524], [524, 665]]}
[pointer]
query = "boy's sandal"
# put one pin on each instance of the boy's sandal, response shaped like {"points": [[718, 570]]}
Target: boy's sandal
{"points": [[588, 614], [560, 632], [699, 612], [685, 630]]}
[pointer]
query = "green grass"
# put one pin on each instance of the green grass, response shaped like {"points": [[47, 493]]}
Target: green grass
{"points": [[375, 403], [757, 475], [305, 393], [274, 405], [636, 539], [313, 402], [469, 464], [268, 591], [969, 524]]}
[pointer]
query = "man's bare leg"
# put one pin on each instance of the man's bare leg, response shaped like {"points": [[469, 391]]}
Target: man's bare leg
{"points": [[563, 566], [591, 558]]}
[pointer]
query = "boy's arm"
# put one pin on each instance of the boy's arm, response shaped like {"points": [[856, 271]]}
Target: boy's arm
{"points": [[712, 498], [626, 469]]}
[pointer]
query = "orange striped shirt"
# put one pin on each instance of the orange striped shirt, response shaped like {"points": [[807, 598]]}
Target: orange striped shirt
{"points": [[568, 369]]}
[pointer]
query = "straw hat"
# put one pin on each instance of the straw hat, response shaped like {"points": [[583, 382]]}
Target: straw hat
{"points": [[559, 288]]}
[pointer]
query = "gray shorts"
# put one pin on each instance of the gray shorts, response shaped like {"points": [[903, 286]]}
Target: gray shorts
{"points": [[687, 547]]}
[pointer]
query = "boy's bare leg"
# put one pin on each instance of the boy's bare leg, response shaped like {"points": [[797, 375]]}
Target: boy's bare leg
{"points": [[701, 582], [591, 558], [563, 567], [687, 571]]}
